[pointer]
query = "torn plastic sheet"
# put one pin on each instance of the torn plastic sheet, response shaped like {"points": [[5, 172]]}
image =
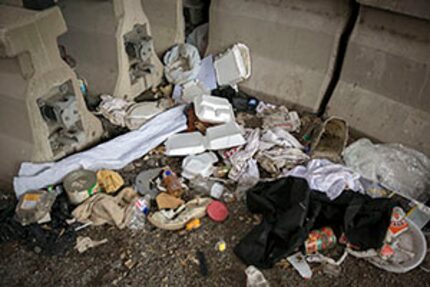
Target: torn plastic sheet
{"points": [[394, 166], [114, 154], [327, 177]]}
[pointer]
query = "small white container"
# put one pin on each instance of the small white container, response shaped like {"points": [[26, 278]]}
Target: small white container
{"points": [[198, 165], [212, 109]]}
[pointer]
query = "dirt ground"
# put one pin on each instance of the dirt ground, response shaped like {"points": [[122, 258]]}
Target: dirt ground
{"points": [[154, 257]]}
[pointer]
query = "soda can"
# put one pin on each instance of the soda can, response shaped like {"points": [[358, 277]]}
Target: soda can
{"points": [[319, 240]]}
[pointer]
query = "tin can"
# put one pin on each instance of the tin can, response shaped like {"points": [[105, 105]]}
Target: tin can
{"points": [[80, 185], [319, 240]]}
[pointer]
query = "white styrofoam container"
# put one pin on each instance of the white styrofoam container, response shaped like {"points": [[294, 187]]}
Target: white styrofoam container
{"points": [[198, 165], [185, 144], [233, 66], [224, 136], [212, 109]]}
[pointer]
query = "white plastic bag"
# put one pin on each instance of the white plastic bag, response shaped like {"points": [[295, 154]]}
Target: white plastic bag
{"points": [[394, 166], [182, 63]]}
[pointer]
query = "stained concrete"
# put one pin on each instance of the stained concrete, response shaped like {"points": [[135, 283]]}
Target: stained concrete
{"points": [[293, 44], [95, 39], [30, 67], [167, 23], [384, 86]]}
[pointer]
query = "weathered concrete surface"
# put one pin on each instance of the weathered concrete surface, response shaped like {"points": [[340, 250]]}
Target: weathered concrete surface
{"points": [[416, 8], [30, 66], [384, 89], [167, 23], [95, 38], [293, 44]]}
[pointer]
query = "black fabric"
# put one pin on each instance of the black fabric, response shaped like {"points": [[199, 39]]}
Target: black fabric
{"points": [[291, 209]]}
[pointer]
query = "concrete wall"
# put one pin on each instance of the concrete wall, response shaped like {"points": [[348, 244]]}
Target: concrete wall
{"points": [[293, 44], [384, 89], [167, 23]]}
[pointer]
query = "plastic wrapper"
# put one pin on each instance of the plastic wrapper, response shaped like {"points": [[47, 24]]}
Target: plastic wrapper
{"points": [[249, 178], [182, 63], [33, 206], [394, 166]]}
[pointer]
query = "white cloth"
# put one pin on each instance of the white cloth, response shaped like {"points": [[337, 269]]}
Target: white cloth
{"points": [[113, 154], [327, 177]]}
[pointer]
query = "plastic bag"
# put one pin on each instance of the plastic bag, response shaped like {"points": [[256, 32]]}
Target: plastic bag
{"points": [[394, 166], [182, 64]]}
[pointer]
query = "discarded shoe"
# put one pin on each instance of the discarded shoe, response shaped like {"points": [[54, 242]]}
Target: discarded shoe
{"points": [[195, 208], [330, 139]]}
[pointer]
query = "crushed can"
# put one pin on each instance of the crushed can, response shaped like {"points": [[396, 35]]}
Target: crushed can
{"points": [[319, 240]]}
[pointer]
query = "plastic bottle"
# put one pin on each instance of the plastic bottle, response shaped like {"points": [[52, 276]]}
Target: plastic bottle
{"points": [[172, 183], [209, 187], [254, 278], [140, 211]]}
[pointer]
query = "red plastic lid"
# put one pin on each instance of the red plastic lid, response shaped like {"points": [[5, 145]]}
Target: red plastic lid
{"points": [[217, 211]]}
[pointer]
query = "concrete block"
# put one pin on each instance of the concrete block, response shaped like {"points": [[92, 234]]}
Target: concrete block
{"points": [[112, 45], [384, 86], [415, 8], [43, 116], [167, 23], [293, 44]]}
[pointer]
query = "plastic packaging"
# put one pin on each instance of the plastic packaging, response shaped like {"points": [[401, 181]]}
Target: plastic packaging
{"points": [[394, 166], [34, 206], [254, 278], [172, 183], [140, 210]]}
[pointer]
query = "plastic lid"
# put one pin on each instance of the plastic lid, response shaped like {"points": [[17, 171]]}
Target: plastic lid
{"points": [[167, 173], [217, 211]]}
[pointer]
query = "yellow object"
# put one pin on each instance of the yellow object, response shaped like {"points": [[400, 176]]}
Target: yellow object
{"points": [[109, 180], [221, 246], [193, 224]]}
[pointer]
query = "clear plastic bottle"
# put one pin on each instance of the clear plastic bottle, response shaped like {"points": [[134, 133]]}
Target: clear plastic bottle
{"points": [[140, 211], [208, 187]]}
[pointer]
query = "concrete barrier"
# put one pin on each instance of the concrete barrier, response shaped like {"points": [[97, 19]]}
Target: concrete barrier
{"points": [[167, 23], [384, 88], [43, 116], [293, 44], [97, 37]]}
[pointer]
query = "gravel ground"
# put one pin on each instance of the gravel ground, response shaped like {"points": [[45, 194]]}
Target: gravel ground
{"points": [[154, 257]]}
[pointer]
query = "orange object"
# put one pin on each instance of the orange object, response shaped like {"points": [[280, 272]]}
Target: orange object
{"points": [[193, 224], [172, 183]]}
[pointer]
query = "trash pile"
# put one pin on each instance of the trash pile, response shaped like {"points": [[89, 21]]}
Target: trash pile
{"points": [[313, 190]]}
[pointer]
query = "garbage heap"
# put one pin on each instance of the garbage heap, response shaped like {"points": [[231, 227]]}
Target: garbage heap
{"points": [[208, 144]]}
